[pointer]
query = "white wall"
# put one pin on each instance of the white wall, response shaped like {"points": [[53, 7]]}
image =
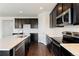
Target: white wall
{"points": [[43, 26], [6, 26], [0, 29]]}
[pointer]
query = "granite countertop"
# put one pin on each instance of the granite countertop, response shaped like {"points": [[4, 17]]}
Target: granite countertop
{"points": [[72, 48], [57, 37], [11, 41]]}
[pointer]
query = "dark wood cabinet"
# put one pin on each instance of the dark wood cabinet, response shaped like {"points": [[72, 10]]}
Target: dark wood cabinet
{"points": [[65, 52], [34, 37], [34, 23], [49, 44], [66, 6], [51, 20], [20, 21], [54, 47], [59, 8], [27, 45], [53, 15], [62, 7], [75, 14], [20, 49]]}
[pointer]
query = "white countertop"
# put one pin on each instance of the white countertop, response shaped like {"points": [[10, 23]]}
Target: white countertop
{"points": [[10, 42], [57, 37], [72, 47]]}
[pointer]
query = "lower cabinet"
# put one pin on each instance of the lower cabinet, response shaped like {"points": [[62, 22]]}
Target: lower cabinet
{"points": [[20, 49], [27, 45], [54, 47], [34, 37], [23, 47], [64, 52]]}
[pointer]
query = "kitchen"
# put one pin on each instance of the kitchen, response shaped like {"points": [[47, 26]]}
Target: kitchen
{"points": [[49, 25]]}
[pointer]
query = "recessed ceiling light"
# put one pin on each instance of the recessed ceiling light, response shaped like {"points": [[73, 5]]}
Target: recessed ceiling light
{"points": [[60, 8], [20, 11], [41, 8]]}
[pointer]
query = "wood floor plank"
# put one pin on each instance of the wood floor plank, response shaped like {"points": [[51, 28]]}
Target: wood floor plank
{"points": [[38, 49]]}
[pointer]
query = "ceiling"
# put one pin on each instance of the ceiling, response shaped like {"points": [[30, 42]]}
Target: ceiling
{"points": [[24, 9]]}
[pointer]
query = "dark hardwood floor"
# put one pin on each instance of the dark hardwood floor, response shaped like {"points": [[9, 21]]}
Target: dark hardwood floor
{"points": [[38, 49]]}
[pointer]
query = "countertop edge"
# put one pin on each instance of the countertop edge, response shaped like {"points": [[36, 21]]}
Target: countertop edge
{"points": [[14, 45]]}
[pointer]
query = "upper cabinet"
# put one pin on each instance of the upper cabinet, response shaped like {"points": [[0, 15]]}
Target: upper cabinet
{"points": [[75, 13], [19, 22], [53, 18], [59, 8], [64, 14], [66, 6], [62, 7]]}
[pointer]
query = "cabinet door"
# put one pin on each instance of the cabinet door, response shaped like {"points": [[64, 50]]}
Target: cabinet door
{"points": [[27, 44], [66, 6], [49, 44], [65, 52], [20, 49], [18, 23], [59, 8], [34, 23], [53, 18], [34, 37], [75, 13]]}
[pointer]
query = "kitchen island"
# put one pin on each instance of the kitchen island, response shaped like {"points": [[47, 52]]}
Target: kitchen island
{"points": [[13, 45]]}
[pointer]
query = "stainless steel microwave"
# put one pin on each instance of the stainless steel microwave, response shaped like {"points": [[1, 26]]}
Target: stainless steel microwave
{"points": [[64, 18]]}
